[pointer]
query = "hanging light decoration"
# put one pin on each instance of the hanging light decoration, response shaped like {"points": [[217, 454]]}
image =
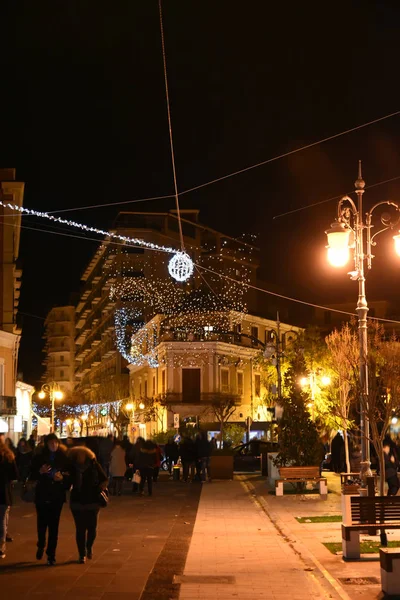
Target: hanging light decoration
{"points": [[180, 267]]}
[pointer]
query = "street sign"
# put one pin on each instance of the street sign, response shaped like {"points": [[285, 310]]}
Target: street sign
{"points": [[177, 438], [176, 421]]}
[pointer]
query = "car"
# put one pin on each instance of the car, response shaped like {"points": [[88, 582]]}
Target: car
{"points": [[247, 457]]}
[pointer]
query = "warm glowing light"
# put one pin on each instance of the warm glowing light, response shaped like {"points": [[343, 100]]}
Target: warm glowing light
{"points": [[397, 243], [42, 395], [303, 381], [68, 421], [58, 395], [338, 244], [338, 258], [325, 380], [394, 420], [129, 406], [181, 266], [141, 406], [83, 417]]}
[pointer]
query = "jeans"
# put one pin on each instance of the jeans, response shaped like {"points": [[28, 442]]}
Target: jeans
{"points": [[86, 529], [186, 467], [393, 484], [4, 514], [146, 474], [116, 485], [48, 518], [205, 467]]}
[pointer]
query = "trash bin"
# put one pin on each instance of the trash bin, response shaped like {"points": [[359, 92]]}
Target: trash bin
{"points": [[176, 473]]}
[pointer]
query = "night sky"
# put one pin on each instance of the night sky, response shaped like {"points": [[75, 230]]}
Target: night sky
{"points": [[83, 120]]}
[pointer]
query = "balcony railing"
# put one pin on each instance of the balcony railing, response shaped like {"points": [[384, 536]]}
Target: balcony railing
{"points": [[231, 337], [202, 398], [8, 406]]}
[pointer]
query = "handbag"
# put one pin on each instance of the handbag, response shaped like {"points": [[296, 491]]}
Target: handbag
{"points": [[28, 491], [104, 498], [136, 478]]}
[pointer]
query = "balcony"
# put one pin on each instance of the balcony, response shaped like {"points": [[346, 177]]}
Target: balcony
{"points": [[231, 337], [216, 398], [8, 406]]}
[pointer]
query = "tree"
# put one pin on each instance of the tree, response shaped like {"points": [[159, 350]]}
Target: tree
{"points": [[343, 348], [297, 433], [233, 434], [223, 407]]}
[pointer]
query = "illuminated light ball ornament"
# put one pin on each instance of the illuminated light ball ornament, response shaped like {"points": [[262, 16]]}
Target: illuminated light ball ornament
{"points": [[180, 267]]}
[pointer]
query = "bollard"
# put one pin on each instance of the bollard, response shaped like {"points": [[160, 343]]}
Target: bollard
{"points": [[176, 473]]}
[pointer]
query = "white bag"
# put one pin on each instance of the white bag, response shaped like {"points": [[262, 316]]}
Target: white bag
{"points": [[136, 478]]}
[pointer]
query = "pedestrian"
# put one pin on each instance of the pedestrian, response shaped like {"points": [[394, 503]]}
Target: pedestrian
{"points": [[10, 445], [32, 441], [49, 469], [117, 468], [88, 480], [106, 446], [187, 451], [172, 454], [337, 452], [203, 453], [156, 468], [23, 459], [146, 462], [133, 461], [8, 474], [391, 466]]}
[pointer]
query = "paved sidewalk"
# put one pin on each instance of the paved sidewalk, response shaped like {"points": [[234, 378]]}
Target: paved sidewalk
{"points": [[236, 552]]}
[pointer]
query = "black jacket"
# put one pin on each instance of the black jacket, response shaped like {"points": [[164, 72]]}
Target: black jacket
{"points": [[146, 458], [203, 447], [172, 451], [8, 474], [187, 451], [48, 490], [86, 483]]}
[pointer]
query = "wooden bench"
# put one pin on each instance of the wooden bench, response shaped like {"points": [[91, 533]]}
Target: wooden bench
{"points": [[301, 475], [368, 514]]}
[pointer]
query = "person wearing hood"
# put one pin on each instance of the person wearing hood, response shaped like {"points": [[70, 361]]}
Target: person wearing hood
{"points": [[50, 470], [8, 474], [23, 458], [117, 468], [146, 462], [87, 480]]}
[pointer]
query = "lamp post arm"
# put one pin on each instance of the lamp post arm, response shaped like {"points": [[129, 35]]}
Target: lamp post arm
{"points": [[388, 221], [345, 211]]}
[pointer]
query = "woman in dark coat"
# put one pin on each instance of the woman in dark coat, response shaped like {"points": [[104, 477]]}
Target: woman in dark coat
{"points": [[50, 470], [8, 474], [88, 479], [23, 458]]}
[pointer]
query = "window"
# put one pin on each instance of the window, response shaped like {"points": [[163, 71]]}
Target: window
{"points": [[145, 388], [191, 385], [224, 381], [154, 386], [61, 373], [254, 332], [140, 389], [257, 385], [240, 384], [62, 358], [62, 343], [237, 328], [163, 378]]}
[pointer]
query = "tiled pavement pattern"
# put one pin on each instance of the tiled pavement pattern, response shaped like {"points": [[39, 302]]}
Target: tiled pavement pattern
{"points": [[236, 552], [133, 531]]}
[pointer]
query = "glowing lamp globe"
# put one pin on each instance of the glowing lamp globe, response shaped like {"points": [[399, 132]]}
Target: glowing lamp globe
{"points": [[325, 380], [397, 243], [141, 406], [58, 395], [338, 244], [129, 406], [180, 266], [42, 395]]}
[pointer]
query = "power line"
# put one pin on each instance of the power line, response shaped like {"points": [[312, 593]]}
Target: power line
{"points": [[233, 174], [295, 210], [248, 285]]}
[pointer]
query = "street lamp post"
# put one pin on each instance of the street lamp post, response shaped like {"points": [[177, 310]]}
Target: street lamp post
{"points": [[53, 390], [345, 233]]}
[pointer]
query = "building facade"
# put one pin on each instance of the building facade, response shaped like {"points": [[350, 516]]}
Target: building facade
{"points": [[60, 348], [11, 191]]}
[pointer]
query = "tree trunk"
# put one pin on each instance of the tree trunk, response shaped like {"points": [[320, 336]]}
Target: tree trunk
{"points": [[221, 432], [346, 450], [381, 458]]}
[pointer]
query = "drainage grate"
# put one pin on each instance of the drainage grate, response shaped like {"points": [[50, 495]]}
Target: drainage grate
{"points": [[204, 579], [359, 580]]}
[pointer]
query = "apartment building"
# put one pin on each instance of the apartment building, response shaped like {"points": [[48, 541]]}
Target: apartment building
{"points": [[11, 191], [110, 307], [60, 348], [189, 374]]}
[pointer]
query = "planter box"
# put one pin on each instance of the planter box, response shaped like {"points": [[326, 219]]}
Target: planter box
{"points": [[221, 467]]}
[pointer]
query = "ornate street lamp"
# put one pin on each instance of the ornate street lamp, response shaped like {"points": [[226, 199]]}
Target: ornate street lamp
{"points": [[347, 233], [55, 393]]}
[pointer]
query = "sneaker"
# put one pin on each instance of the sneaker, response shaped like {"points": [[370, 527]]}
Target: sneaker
{"points": [[39, 553], [82, 560], [51, 562], [2, 554]]}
